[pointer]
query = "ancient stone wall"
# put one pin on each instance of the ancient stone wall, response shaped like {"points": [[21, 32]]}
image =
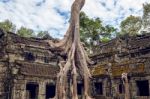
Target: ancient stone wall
{"points": [[31, 61], [127, 54], [3, 65], [24, 60]]}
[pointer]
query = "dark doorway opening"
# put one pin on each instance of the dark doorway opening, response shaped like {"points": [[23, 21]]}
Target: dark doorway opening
{"points": [[121, 88], [29, 56], [32, 91], [80, 88], [143, 88], [98, 88], [50, 91]]}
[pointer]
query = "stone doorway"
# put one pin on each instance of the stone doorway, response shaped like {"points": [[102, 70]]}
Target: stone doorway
{"points": [[142, 88], [50, 91], [32, 90], [98, 88], [121, 88], [80, 88]]}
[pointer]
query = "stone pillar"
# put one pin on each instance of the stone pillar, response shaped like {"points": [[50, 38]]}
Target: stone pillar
{"points": [[3, 72], [14, 92], [1, 85], [19, 89], [24, 93], [104, 87], [42, 88], [133, 88], [1, 90]]}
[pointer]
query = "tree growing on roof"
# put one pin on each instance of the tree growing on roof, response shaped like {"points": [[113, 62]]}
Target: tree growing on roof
{"points": [[146, 17], [131, 25], [77, 59], [25, 32], [93, 32], [8, 26]]}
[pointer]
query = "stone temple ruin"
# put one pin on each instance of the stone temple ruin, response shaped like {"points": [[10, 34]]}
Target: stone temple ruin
{"points": [[28, 67]]}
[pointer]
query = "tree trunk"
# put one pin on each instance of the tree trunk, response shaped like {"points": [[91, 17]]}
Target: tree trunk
{"points": [[76, 57]]}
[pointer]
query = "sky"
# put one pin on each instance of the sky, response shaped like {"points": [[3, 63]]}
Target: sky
{"points": [[53, 15]]}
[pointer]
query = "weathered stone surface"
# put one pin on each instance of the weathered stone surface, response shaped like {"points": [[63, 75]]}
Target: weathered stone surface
{"points": [[32, 61]]}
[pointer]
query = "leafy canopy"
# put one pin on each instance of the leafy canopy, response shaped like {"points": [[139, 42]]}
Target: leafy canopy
{"points": [[92, 31], [131, 25]]}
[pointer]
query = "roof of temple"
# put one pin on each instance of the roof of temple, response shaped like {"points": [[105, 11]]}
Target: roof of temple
{"points": [[34, 42], [28, 41], [40, 49], [139, 42], [128, 43], [105, 52], [123, 53]]}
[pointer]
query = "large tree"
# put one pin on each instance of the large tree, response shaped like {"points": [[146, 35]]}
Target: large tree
{"points": [[146, 15], [131, 25], [108, 33], [92, 31], [77, 58]]}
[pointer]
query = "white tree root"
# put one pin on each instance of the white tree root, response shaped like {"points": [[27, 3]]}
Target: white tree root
{"points": [[76, 58], [126, 85]]}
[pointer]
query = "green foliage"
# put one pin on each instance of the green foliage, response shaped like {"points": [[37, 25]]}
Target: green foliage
{"points": [[146, 15], [7, 26], [25, 32], [131, 25], [89, 28], [92, 31], [146, 9], [105, 39], [108, 31]]}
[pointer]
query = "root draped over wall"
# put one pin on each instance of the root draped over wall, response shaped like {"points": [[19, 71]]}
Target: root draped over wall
{"points": [[77, 58]]}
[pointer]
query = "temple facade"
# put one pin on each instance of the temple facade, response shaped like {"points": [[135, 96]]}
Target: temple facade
{"points": [[29, 66], [129, 55]]}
